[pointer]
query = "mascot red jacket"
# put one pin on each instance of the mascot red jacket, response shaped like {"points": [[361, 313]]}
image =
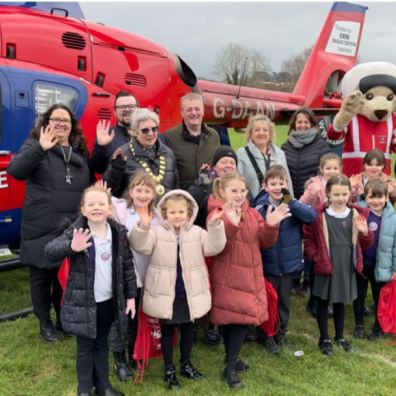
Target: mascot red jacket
{"points": [[366, 120]]}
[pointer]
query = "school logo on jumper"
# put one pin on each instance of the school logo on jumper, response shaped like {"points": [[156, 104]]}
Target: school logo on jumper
{"points": [[373, 226], [105, 256]]}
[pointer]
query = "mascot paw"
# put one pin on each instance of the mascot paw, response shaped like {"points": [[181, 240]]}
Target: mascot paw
{"points": [[351, 106]]}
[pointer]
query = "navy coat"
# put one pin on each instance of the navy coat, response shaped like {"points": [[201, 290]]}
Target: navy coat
{"points": [[286, 256]]}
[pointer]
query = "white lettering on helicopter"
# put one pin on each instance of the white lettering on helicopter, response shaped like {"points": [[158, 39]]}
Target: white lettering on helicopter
{"points": [[344, 38], [3, 179], [241, 109]]}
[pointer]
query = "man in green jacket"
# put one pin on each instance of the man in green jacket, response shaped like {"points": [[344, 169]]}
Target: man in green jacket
{"points": [[192, 142]]}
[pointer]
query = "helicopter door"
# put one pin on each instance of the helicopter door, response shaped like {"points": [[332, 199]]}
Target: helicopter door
{"points": [[6, 199]]}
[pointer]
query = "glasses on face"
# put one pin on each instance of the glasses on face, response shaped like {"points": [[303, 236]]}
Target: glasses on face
{"points": [[145, 131], [126, 107], [58, 121]]}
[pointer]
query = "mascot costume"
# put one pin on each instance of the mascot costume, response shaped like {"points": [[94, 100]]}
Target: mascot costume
{"points": [[366, 120]]}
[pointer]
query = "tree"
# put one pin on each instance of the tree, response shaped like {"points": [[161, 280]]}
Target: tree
{"points": [[293, 67], [237, 64]]}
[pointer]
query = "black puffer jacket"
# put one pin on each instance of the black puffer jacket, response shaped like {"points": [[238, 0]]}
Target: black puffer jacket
{"points": [[49, 199], [78, 312], [303, 162], [118, 173]]}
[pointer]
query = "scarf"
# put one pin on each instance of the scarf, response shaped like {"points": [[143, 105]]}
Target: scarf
{"points": [[299, 139]]}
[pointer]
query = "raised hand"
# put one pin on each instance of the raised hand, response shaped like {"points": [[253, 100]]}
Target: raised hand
{"points": [[361, 224], [80, 240], [47, 138], [145, 215], [130, 307], [103, 137], [276, 216], [217, 214], [316, 186], [102, 183], [232, 212]]}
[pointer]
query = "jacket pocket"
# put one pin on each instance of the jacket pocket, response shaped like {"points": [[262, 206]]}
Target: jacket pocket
{"points": [[198, 282]]}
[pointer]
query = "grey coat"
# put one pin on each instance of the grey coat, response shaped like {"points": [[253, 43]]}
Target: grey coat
{"points": [[245, 167]]}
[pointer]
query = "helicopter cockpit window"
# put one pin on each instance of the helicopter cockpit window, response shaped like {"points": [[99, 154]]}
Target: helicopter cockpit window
{"points": [[45, 95]]}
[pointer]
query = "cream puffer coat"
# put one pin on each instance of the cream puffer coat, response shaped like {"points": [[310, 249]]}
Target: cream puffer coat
{"points": [[161, 243]]}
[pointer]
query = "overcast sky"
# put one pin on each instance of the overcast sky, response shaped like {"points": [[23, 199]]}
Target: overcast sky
{"points": [[197, 31]]}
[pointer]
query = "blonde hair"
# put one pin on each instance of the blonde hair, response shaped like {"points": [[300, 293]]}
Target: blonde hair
{"points": [[256, 118], [95, 189], [177, 198], [140, 178], [222, 182]]}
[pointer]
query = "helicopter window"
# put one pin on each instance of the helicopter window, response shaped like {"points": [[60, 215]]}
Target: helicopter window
{"points": [[46, 94]]}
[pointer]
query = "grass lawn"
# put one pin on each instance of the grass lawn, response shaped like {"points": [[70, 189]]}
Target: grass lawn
{"points": [[29, 367]]}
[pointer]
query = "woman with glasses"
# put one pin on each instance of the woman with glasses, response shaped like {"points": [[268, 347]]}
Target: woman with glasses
{"points": [[54, 163], [144, 151]]}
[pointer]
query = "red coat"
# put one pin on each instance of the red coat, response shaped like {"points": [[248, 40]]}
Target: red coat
{"points": [[316, 241], [236, 274], [362, 135]]}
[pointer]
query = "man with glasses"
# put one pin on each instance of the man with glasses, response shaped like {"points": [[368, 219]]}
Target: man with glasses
{"points": [[109, 139], [192, 142]]}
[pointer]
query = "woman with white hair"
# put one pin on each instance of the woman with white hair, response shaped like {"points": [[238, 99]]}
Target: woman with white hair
{"points": [[260, 153], [144, 151]]}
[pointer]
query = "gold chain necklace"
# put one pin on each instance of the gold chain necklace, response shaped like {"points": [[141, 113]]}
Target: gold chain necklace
{"points": [[159, 188]]}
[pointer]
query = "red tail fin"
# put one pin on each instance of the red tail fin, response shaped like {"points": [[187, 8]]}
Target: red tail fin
{"points": [[334, 53]]}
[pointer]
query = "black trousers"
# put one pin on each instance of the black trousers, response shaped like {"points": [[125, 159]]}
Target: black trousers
{"points": [[322, 318], [92, 354], [186, 342], [362, 281], [116, 339], [45, 289], [233, 336], [283, 285]]}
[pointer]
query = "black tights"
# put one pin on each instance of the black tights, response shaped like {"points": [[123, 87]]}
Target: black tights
{"points": [[322, 317], [233, 336], [186, 342]]}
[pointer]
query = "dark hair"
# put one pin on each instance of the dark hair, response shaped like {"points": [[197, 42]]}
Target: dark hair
{"points": [[308, 113], [275, 171], [377, 188], [76, 138], [123, 94], [374, 154], [337, 180]]}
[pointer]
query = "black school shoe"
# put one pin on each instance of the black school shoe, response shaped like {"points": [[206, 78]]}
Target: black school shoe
{"points": [[326, 347], [344, 344], [189, 371], [48, 332], [240, 365], [170, 378], [233, 380], [376, 334], [108, 392], [271, 346], [358, 332]]}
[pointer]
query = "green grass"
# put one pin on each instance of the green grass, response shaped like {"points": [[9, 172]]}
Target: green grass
{"points": [[29, 367]]}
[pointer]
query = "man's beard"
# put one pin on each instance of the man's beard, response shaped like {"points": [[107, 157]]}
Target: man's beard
{"points": [[125, 124]]}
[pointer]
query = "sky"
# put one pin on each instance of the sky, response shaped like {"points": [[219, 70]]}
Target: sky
{"points": [[197, 31]]}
